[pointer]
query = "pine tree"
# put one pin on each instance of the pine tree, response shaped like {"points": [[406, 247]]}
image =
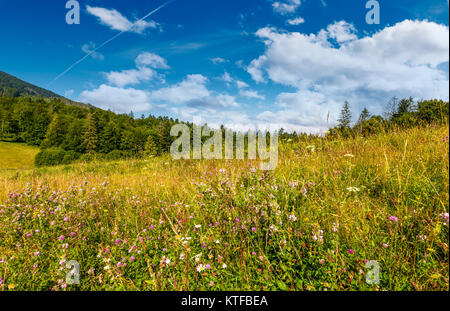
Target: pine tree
{"points": [[365, 115], [56, 132], [74, 137], [90, 134], [346, 116], [151, 148], [109, 138]]}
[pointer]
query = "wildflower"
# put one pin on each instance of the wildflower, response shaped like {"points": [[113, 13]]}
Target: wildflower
{"points": [[198, 226], [385, 245], [106, 268], [208, 266], [353, 189], [292, 218], [211, 284], [444, 218], [197, 257], [117, 242], [351, 252], [132, 258], [36, 254], [335, 227], [422, 237], [200, 268], [224, 266], [62, 237], [254, 229], [11, 286], [393, 218], [182, 256], [321, 261]]}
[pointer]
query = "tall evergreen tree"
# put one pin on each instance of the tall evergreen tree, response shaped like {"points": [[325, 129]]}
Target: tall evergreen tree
{"points": [[109, 138], [74, 138], [56, 132], [90, 134], [346, 116], [365, 115]]}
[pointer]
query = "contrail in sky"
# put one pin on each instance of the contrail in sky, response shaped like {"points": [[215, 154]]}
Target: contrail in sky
{"points": [[109, 40]]}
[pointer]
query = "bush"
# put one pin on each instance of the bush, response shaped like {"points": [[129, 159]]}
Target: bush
{"points": [[71, 156], [50, 157]]}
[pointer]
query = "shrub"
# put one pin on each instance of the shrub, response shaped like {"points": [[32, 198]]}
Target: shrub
{"points": [[50, 157]]}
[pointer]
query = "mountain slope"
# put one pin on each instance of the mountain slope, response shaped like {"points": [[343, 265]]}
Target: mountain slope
{"points": [[11, 86]]}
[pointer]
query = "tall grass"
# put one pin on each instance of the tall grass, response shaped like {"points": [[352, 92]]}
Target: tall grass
{"points": [[312, 224]]}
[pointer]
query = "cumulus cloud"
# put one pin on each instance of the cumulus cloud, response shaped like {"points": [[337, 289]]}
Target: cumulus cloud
{"points": [[146, 64], [191, 88], [193, 93], [295, 21], [117, 99], [342, 31], [116, 21], [286, 6], [151, 60], [402, 60]]}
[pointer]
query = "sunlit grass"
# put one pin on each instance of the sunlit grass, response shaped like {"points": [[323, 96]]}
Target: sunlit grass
{"points": [[17, 156], [311, 224]]}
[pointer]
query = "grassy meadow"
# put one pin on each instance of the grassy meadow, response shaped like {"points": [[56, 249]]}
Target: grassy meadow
{"points": [[159, 224], [17, 156]]}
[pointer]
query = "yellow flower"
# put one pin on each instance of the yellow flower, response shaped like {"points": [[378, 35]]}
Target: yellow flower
{"points": [[11, 286]]}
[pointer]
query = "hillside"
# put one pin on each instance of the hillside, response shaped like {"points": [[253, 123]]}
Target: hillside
{"points": [[11, 86]]}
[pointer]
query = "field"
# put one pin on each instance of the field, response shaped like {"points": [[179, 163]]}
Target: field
{"points": [[17, 156], [312, 224]]}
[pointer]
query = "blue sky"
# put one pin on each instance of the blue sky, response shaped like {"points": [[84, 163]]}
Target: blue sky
{"points": [[287, 62]]}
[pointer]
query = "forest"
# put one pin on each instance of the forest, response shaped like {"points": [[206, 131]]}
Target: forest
{"points": [[67, 133]]}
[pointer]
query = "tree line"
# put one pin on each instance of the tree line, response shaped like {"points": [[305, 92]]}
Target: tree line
{"points": [[66, 133]]}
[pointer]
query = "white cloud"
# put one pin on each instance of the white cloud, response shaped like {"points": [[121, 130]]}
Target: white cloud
{"points": [[251, 94], [117, 99], [403, 60], [152, 60], [130, 77], [218, 60], [191, 88], [342, 31], [193, 93], [286, 6], [146, 63], [116, 21], [241, 84], [88, 48], [226, 77], [296, 21]]}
